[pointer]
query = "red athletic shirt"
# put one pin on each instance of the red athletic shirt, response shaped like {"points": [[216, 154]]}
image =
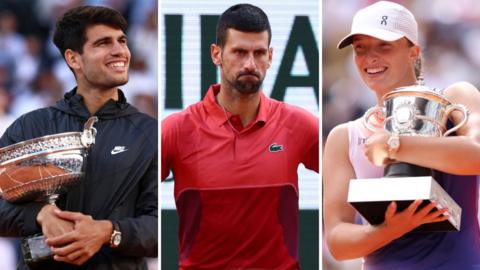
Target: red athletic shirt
{"points": [[236, 192]]}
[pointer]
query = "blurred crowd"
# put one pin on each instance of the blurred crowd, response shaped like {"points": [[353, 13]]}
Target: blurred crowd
{"points": [[449, 33], [33, 74]]}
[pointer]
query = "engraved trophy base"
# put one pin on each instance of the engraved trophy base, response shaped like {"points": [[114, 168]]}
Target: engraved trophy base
{"points": [[371, 197], [403, 169], [35, 250]]}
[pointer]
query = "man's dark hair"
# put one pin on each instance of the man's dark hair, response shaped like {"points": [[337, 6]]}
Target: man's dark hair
{"points": [[245, 18], [70, 30]]}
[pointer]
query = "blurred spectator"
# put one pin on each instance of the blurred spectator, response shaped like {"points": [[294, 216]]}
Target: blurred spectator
{"points": [[27, 64], [44, 90], [141, 88], [5, 118], [11, 42], [6, 71], [146, 33]]}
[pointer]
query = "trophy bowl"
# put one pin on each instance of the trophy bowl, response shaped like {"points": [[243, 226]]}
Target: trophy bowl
{"points": [[36, 169], [419, 110], [41, 169], [416, 110]]}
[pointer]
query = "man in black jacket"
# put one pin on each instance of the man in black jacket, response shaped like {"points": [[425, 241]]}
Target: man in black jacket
{"points": [[109, 221]]}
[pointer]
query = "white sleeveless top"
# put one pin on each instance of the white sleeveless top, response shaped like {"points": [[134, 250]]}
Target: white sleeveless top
{"points": [[357, 134]]}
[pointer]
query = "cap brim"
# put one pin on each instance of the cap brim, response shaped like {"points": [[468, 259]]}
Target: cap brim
{"points": [[376, 33]]}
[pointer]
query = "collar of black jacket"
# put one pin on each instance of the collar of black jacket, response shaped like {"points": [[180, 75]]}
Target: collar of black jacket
{"points": [[72, 103]]}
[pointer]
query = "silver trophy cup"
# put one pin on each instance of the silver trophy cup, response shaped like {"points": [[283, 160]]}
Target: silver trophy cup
{"points": [[41, 169], [408, 111]]}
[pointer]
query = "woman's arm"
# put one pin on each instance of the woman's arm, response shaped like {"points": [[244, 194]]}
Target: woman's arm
{"points": [[345, 239], [454, 154]]}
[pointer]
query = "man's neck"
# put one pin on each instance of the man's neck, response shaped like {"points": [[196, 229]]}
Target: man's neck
{"points": [[244, 105], [94, 99]]}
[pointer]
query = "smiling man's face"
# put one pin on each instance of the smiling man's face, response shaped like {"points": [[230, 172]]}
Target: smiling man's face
{"points": [[105, 59]]}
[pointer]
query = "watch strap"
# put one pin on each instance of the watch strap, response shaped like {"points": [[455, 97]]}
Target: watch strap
{"points": [[116, 234], [393, 145]]}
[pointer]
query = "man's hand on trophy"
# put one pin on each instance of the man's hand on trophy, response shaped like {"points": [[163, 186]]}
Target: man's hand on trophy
{"points": [[79, 245], [52, 225], [377, 148], [397, 224]]}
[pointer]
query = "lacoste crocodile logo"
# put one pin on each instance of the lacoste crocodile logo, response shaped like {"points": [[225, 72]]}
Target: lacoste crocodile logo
{"points": [[118, 149], [275, 148]]}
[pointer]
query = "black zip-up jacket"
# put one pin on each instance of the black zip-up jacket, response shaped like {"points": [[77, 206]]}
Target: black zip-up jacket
{"points": [[120, 186]]}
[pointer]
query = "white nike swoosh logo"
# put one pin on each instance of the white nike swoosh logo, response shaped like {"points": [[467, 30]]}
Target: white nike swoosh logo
{"points": [[117, 151]]}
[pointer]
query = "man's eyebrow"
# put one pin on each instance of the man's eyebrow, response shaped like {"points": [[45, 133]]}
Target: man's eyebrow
{"points": [[107, 38], [102, 39]]}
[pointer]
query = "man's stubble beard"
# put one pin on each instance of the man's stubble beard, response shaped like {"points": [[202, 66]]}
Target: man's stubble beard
{"points": [[108, 84], [247, 87]]}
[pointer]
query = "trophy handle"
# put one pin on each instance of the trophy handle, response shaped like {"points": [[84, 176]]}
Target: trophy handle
{"points": [[89, 132], [458, 107], [368, 114]]}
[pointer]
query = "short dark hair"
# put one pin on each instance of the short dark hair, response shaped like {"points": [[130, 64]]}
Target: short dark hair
{"points": [[70, 30], [245, 18]]}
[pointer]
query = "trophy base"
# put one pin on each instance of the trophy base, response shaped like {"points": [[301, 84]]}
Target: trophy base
{"points": [[403, 169], [371, 197], [35, 250]]}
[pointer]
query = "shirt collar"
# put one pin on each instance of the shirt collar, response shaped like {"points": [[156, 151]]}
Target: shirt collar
{"points": [[220, 116], [73, 103]]}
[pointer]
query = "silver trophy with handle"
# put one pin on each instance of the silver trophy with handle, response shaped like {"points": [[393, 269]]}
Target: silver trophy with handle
{"points": [[414, 110], [41, 169]]}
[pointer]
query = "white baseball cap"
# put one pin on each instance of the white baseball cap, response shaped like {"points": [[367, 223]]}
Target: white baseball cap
{"points": [[383, 20]]}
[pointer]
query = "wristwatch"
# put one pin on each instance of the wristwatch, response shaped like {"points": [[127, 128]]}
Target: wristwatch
{"points": [[116, 237], [393, 144]]}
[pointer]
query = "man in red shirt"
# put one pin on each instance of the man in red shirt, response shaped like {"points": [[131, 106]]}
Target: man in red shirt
{"points": [[234, 158]]}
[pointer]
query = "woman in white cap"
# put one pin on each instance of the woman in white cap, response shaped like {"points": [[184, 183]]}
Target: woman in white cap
{"points": [[384, 38]]}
